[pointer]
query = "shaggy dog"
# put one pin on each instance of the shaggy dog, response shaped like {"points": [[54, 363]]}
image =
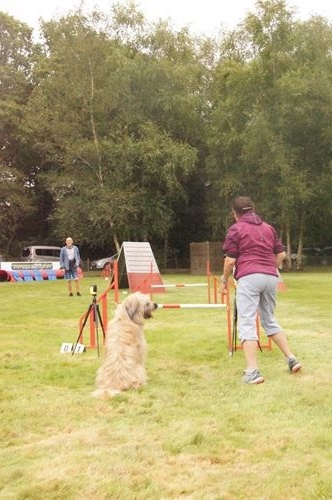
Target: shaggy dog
{"points": [[125, 347]]}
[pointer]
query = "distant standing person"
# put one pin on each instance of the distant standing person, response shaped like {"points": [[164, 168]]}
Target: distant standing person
{"points": [[70, 261], [253, 252]]}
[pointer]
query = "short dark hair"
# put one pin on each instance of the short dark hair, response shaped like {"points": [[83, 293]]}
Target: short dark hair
{"points": [[242, 205]]}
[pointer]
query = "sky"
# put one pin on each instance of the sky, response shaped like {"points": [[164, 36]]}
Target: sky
{"points": [[203, 17]]}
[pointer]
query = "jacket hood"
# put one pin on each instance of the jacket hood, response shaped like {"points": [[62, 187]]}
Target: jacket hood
{"points": [[251, 218]]}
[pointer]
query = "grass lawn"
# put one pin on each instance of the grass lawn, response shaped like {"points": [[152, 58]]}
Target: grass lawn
{"points": [[195, 431]]}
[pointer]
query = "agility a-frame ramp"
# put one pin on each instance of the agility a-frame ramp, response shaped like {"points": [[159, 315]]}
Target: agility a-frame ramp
{"points": [[137, 267]]}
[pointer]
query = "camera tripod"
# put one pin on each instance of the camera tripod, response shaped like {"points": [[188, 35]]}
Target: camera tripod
{"points": [[94, 308]]}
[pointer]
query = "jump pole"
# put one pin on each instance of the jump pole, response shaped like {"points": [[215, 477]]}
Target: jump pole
{"points": [[209, 276], [191, 306], [180, 285]]}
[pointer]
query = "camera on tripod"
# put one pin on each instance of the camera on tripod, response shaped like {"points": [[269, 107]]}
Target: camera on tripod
{"points": [[92, 314]]}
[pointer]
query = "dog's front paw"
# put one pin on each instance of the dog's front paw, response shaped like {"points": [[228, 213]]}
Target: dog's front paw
{"points": [[105, 394]]}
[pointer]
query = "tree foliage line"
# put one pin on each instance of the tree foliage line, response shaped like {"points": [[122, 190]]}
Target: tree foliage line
{"points": [[114, 129]]}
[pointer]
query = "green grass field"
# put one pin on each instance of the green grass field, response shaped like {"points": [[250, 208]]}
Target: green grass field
{"points": [[195, 431]]}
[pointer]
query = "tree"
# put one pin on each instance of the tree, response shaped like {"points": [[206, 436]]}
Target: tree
{"points": [[17, 194], [108, 157], [116, 129], [270, 117], [16, 205]]}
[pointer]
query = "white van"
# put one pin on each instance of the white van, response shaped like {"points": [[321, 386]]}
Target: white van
{"points": [[39, 253]]}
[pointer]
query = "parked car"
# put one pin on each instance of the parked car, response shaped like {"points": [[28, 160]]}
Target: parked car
{"points": [[40, 253], [311, 251], [325, 256], [310, 256], [100, 264]]}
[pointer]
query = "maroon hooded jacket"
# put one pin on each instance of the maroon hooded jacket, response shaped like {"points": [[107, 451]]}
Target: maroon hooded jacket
{"points": [[254, 244]]}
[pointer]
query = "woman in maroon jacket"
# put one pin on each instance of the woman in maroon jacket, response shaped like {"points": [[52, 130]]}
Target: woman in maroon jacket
{"points": [[253, 252]]}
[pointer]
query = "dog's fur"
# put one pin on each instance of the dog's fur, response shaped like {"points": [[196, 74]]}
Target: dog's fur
{"points": [[125, 348]]}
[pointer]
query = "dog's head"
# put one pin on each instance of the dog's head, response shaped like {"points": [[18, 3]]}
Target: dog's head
{"points": [[139, 306]]}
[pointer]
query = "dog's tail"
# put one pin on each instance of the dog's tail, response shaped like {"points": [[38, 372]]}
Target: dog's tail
{"points": [[105, 393]]}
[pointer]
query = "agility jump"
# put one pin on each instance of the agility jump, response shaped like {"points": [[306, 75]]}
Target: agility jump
{"points": [[147, 287]]}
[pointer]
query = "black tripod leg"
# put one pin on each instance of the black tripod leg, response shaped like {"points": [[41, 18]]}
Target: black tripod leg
{"points": [[98, 316], [95, 320], [82, 328], [101, 322]]}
